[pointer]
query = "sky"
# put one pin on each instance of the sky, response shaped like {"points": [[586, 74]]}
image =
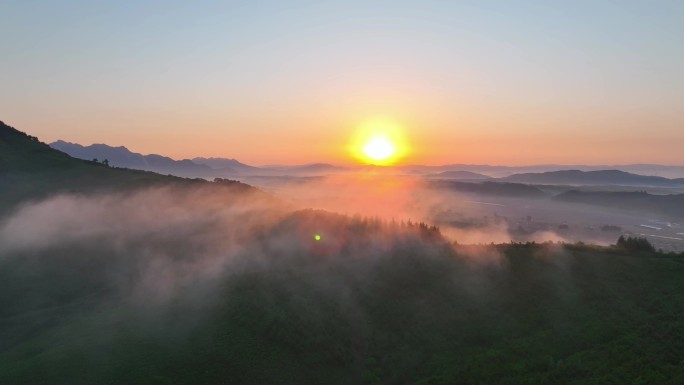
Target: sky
{"points": [[291, 82]]}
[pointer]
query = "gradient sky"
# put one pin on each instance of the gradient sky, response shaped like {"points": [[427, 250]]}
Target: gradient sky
{"points": [[498, 82]]}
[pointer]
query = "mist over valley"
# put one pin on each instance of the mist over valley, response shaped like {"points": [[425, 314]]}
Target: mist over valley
{"points": [[353, 277], [342, 192]]}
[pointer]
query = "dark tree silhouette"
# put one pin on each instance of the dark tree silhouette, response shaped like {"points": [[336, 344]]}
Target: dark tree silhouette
{"points": [[634, 244]]}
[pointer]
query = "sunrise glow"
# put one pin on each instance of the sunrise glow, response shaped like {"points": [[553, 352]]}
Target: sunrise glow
{"points": [[379, 148], [380, 142]]}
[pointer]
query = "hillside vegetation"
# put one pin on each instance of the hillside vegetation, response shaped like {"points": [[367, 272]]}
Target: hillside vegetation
{"points": [[115, 276], [414, 311], [30, 169]]}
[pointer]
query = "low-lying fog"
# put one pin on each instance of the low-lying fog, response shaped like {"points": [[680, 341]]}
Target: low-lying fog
{"points": [[215, 221], [472, 218], [204, 275]]}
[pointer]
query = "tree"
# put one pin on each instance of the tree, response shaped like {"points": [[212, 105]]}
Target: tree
{"points": [[634, 244]]}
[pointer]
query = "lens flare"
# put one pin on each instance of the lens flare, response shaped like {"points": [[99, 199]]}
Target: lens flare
{"points": [[317, 237]]}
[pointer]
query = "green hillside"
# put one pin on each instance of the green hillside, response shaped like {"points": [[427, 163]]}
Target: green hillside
{"points": [[417, 314], [216, 283], [30, 169]]}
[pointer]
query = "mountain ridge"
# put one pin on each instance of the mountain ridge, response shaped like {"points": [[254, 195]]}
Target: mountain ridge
{"points": [[121, 156], [598, 177], [462, 175], [206, 167], [31, 169]]}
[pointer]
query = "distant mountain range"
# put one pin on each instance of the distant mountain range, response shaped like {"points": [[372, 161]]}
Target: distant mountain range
{"points": [[511, 190], [123, 157], [30, 169], [569, 178], [504, 171], [601, 177], [625, 175], [460, 175], [191, 168], [312, 169], [229, 164]]}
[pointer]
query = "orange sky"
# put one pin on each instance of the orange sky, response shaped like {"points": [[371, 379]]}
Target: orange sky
{"points": [[464, 136], [574, 83]]}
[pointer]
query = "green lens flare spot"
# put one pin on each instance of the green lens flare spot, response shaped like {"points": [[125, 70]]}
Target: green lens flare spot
{"points": [[317, 237]]}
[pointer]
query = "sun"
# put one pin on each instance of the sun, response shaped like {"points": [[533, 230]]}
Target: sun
{"points": [[379, 148], [379, 142]]}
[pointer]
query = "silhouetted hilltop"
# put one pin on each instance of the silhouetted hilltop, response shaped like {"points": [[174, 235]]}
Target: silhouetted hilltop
{"points": [[123, 157], [22, 153], [30, 169], [601, 177]]}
